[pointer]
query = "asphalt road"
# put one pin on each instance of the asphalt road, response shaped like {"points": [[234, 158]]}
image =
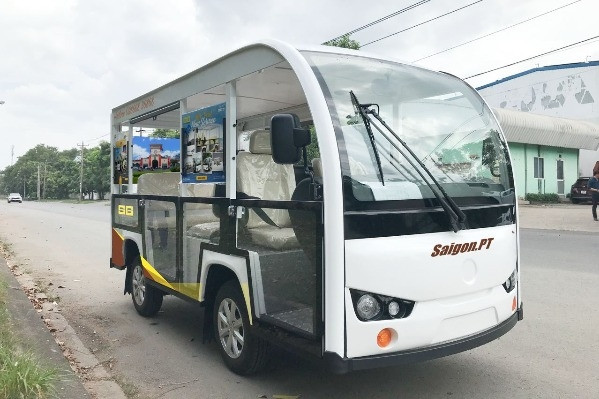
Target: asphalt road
{"points": [[551, 354]]}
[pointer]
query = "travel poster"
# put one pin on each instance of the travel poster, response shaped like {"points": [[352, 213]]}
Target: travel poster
{"points": [[203, 145]]}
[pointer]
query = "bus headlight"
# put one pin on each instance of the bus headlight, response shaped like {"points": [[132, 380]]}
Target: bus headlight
{"points": [[367, 307], [510, 283], [393, 308]]}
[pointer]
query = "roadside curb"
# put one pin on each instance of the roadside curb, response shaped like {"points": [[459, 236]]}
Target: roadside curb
{"points": [[53, 339]]}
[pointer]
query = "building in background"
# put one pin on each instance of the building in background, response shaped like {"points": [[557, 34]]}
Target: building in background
{"points": [[550, 116]]}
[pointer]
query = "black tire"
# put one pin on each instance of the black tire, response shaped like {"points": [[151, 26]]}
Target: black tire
{"points": [[574, 201], [147, 299], [243, 352]]}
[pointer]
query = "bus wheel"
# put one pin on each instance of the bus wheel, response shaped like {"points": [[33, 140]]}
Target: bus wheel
{"points": [[146, 299], [242, 352]]}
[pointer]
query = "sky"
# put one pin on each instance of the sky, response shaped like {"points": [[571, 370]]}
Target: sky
{"points": [[65, 64]]}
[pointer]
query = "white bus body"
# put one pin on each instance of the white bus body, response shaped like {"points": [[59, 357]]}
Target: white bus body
{"points": [[371, 222]]}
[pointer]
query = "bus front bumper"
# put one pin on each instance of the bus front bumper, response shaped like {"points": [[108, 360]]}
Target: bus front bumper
{"points": [[340, 365]]}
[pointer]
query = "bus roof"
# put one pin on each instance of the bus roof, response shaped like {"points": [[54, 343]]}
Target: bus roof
{"points": [[241, 62]]}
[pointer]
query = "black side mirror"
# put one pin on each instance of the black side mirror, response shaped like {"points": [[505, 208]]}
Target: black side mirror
{"points": [[287, 138]]}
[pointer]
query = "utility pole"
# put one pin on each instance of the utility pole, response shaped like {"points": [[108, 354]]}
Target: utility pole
{"points": [[81, 173], [45, 175], [38, 182], [12, 154]]}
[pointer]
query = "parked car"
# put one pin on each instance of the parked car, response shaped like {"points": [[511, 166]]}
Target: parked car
{"points": [[14, 197], [579, 191]]}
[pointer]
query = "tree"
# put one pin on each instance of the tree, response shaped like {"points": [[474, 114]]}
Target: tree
{"points": [[22, 176], [165, 133], [62, 179], [96, 169], [344, 41]]}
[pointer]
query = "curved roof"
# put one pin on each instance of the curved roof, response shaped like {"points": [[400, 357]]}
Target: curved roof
{"points": [[525, 127], [540, 69]]}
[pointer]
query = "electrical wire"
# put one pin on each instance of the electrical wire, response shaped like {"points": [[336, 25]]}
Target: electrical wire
{"points": [[98, 138], [533, 57], [368, 25], [421, 23], [497, 31]]}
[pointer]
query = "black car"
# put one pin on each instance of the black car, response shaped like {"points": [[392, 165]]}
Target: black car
{"points": [[579, 191]]}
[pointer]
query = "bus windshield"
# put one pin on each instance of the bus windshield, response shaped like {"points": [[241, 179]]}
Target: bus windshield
{"points": [[443, 121]]}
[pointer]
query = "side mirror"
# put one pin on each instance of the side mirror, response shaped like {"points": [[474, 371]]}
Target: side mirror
{"points": [[286, 138]]}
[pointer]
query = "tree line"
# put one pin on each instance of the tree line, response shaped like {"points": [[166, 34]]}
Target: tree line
{"points": [[59, 173]]}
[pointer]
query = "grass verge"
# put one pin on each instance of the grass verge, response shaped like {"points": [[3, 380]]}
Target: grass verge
{"points": [[21, 374]]}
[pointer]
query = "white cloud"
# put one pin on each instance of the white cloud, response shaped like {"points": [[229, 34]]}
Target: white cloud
{"points": [[140, 152]]}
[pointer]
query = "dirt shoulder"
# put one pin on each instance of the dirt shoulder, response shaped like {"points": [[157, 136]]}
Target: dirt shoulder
{"points": [[30, 328]]}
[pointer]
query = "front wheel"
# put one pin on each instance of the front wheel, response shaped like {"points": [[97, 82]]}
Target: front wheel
{"points": [[242, 352], [146, 298]]}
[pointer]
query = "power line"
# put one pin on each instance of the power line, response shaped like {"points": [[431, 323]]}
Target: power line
{"points": [[368, 25], [98, 138], [533, 57], [497, 31], [421, 23]]}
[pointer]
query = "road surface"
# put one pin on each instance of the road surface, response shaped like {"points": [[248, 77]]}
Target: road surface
{"points": [[551, 354]]}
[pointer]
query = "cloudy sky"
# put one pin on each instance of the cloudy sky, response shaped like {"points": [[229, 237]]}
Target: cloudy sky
{"points": [[64, 64]]}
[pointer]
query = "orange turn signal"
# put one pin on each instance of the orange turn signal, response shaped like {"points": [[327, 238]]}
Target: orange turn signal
{"points": [[514, 304], [384, 338]]}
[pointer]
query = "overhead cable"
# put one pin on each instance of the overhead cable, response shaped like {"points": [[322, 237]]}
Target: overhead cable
{"points": [[497, 31], [98, 138], [536, 56], [368, 25], [421, 23]]}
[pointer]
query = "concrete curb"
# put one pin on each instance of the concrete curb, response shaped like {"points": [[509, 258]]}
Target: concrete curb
{"points": [[53, 339]]}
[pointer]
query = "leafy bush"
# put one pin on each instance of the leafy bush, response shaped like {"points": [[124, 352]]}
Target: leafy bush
{"points": [[546, 198]]}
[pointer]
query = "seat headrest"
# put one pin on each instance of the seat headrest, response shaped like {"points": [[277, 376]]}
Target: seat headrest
{"points": [[162, 183], [260, 142]]}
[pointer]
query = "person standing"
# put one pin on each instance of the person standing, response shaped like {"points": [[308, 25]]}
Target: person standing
{"points": [[593, 186]]}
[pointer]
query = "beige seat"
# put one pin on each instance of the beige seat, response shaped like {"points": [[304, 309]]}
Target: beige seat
{"points": [[160, 215], [166, 183], [260, 177], [200, 220]]}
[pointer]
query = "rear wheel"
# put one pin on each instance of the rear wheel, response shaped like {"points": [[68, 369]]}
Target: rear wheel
{"points": [[574, 201], [242, 352], [146, 298]]}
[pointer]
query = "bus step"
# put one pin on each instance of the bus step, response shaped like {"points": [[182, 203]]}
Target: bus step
{"points": [[302, 318]]}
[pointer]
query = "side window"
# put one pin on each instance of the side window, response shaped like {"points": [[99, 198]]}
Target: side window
{"points": [[539, 168]]}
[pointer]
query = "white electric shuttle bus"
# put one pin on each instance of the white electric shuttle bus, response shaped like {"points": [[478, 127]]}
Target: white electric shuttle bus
{"points": [[370, 219]]}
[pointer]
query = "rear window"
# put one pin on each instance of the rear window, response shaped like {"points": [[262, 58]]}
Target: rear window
{"points": [[582, 181]]}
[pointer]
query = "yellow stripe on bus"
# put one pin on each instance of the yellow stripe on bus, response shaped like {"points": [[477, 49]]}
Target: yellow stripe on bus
{"points": [[192, 290], [119, 234], [245, 288], [154, 275]]}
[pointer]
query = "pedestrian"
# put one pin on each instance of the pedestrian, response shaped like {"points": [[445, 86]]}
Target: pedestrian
{"points": [[593, 186], [596, 168]]}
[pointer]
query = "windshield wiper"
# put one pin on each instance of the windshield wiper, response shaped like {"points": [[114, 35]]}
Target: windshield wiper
{"points": [[362, 111], [456, 215]]}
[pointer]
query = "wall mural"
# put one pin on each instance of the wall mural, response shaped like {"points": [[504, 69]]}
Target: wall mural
{"points": [[565, 92]]}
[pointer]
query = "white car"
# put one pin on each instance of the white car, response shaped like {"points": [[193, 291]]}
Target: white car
{"points": [[14, 197]]}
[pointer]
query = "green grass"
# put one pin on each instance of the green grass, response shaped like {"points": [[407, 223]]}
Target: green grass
{"points": [[21, 374]]}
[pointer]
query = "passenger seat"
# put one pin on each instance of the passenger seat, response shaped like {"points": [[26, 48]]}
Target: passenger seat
{"points": [[258, 176]]}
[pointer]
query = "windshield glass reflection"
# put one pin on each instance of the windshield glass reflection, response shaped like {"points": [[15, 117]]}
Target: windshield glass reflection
{"points": [[440, 118]]}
